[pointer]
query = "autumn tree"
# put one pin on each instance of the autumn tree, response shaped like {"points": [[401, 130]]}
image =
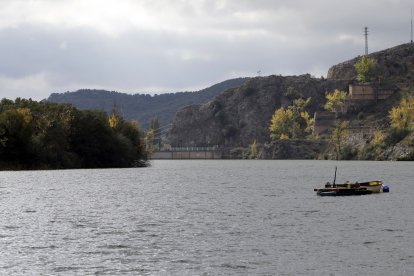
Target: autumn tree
{"points": [[253, 151], [291, 122], [338, 137], [114, 121], [335, 101], [365, 69], [281, 123], [149, 139], [402, 116]]}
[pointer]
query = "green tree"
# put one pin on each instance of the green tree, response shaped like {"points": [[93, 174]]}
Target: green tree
{"points": [[49, 135], [365, 69], [335, 101], [16, 136], [52, 129], [132, 131]]}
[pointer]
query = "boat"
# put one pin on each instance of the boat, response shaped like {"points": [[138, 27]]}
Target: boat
{"points": [[374, 186], [342, 190], [348, 189]]}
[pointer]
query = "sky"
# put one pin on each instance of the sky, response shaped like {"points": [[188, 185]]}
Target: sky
{"points": [[157, 46]]}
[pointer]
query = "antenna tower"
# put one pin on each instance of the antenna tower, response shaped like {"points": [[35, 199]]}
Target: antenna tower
{"points": [[411, 25], [366, 40]]}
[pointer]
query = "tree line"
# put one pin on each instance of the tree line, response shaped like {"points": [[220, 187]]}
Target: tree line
{"points": [[44, 135]]}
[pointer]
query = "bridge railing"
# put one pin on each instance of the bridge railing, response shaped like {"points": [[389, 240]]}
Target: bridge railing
{"points": [[214, 148]]}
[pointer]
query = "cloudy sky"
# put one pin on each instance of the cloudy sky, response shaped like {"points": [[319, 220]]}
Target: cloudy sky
{"points": [[155, 46]]}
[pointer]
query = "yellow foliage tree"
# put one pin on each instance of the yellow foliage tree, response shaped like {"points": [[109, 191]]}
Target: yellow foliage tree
{"points": [[281, 123], [292, 121], [338, 137], [284, 137], [402, 116], [378, 139], [335, 100], [309, 121], [253, 151], [25, 114], [114, 121], [149, 138]]}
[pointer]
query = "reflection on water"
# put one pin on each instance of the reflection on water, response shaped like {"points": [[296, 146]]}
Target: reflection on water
{"points": [[206, 217]]}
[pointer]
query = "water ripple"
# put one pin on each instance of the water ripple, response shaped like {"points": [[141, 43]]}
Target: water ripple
{"points": [[205, 218]]}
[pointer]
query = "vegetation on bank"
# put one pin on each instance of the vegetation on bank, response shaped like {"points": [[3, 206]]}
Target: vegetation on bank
{"points": [[394, 133], [376, 130], [42, 135]]}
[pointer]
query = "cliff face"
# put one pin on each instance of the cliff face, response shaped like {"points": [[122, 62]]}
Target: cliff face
{"points": [[239, 116], [395, 64]]}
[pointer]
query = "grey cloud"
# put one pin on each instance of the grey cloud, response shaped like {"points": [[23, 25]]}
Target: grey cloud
{"points": [[221, 38]]}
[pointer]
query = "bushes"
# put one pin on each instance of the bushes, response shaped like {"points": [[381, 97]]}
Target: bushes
{"points": [[396, 135], [37, 135]]}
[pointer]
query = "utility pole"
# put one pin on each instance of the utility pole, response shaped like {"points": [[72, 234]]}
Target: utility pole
{"points": [[411, 26], [366, 40]]}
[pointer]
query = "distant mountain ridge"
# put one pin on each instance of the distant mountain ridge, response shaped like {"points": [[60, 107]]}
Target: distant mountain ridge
{"points": [[143, 107]]}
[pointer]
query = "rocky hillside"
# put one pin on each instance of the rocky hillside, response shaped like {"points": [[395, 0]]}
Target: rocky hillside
{"points": [[143, 107], [395, 65], [241, 115]]}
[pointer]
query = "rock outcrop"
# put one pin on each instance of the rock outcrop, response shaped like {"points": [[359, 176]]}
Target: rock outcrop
{"points": [[239, 116], [395, 64]]}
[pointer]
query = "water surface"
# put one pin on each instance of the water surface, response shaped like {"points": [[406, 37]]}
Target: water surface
{"points": [[207, 217]]}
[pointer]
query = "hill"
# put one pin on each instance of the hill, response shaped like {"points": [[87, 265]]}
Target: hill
{"points": [[142, 107], [240, 116]]}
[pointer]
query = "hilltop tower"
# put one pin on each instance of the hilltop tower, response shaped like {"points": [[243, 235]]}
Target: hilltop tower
{"points": [[366, 40], [411, 26]]}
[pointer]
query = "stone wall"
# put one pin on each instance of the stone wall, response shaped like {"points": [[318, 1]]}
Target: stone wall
{"points": [[368, 92]]}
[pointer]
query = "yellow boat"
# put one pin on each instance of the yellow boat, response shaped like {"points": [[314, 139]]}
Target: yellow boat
{"points": [[352, 188], [374, 186]]}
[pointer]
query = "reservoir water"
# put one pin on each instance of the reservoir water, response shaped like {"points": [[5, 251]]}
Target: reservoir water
{"points": [[207, 217]]}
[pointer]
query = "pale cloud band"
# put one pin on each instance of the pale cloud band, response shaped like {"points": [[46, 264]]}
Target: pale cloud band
{"points": [[137, 46]]}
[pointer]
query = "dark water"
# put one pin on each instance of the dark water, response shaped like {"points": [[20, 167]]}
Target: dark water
{"points": [[207, 218]]}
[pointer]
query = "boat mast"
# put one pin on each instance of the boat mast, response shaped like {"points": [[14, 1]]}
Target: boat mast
{"points": [[335, 175]]}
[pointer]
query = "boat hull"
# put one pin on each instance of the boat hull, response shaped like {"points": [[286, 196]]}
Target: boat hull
{"points": [[343, 192]]}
